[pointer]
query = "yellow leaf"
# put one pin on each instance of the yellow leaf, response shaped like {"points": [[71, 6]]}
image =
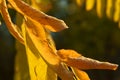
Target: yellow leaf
{"points": [[80, 75], [117, 11], [79, 2], [81, 62], [38, 68], [14, 30], [42, 5], [90, 4], [49, 22], [99, 7], [21, 63], [109, 7], [40, 46]]}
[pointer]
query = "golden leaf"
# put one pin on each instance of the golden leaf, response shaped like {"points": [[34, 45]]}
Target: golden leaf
{"points": [[21, 63], [42, 5], [79, 2], [116, 17], [90, 4], [13, 29], [36, 41], [37, 66], [80, 75], [49, 22], [81, 62], [99, 7], [41, 46], [40, 49], [109, 7]]}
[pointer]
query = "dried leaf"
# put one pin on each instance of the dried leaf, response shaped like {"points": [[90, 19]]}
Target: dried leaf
{"points": [[80, 75], [81, 62], [14, 30], [49, 22]]}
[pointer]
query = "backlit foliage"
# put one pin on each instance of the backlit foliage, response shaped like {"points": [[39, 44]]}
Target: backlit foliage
{"points": [[43, 60], [109, 7]]}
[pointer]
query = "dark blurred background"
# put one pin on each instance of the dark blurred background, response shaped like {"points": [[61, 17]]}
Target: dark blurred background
{"points": [[93, 37]]}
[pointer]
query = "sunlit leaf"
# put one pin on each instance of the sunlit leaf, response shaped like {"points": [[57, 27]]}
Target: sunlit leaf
{"points": [[42, 47], [44, 61], [37, 66], [79, 2], [0, 1], [109, 8], [49, 22], [75, 60], [99, 7], [80, 75], [21, 63], [90, 4], [42, 5], [14, 30], [117, 11], [0, 23]]}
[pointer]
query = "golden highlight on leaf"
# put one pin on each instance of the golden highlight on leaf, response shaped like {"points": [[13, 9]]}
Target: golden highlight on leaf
{"points": [[0, 23], [109, 6], [43, 48], [49, 22], [0, 1], [82, 62], [116, 17], [79, 2], [42, 5], [90, 4], [38, 68], [45, 62], [99, 7], [14, 30], [80, 75]]}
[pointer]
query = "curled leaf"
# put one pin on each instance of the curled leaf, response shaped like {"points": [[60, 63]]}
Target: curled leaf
{"points": [[14, 30], [49, 22], [82, 62]]}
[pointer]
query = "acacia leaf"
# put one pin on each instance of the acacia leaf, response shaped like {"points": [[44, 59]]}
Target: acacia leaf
{"points": [[89, 4], [38, 69], [49, 22], [43, 48], [21, 63], [116, 17], [13, 29], [79, 2], [81, 62], [80, 75], [109, 7]]}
